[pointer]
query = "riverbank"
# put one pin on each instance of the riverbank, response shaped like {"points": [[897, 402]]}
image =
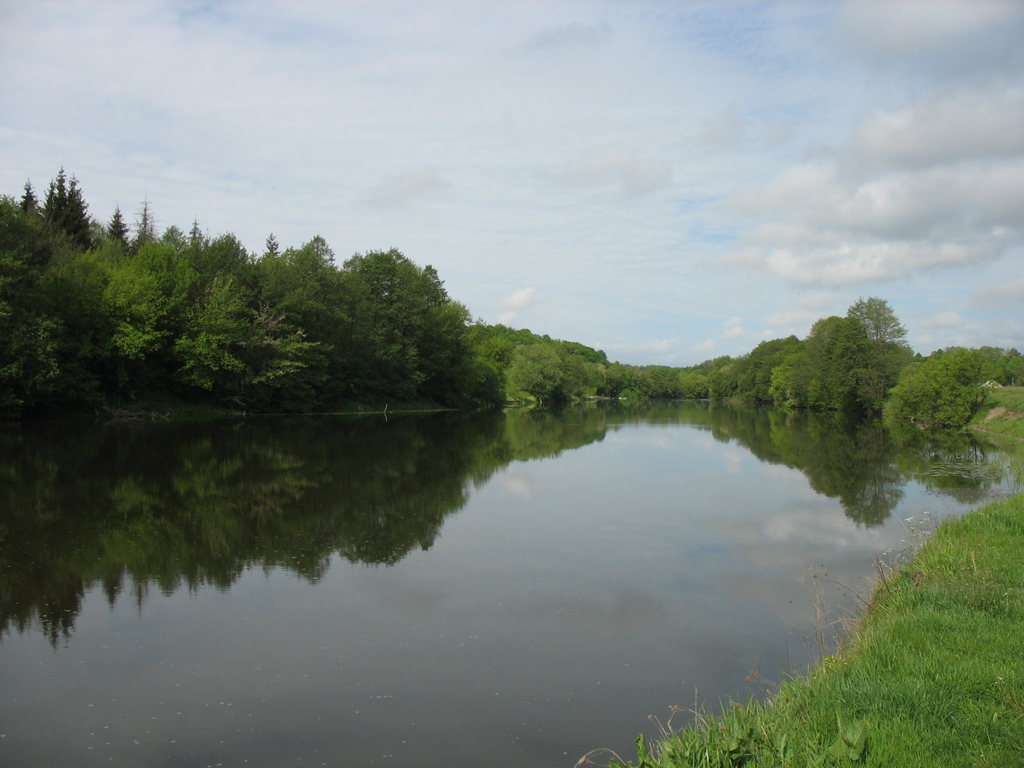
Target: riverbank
{"points": [[932, 675], [1006, 414], [168, 409]]}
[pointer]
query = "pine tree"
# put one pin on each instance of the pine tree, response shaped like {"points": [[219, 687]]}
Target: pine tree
{"points": [[117, 229], [272, 246], [56, 195], [145, 228], [195, 236], [66, 212], [29, 203]]}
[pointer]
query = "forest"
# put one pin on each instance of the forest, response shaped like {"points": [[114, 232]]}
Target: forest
{"points": [[103, 314]]}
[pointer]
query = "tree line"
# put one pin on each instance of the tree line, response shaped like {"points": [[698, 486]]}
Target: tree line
{"points": [[859, 364], [100, 313], [94, 313]]}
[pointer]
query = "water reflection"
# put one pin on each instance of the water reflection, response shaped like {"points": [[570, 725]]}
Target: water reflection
{"points": [[134, 507]]}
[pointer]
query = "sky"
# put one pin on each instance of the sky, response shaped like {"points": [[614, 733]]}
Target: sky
{"points": [[666, 181]]}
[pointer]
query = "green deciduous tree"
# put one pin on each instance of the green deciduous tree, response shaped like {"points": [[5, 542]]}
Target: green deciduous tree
{"points": [[822, 372], [885, 354], [397, 309], [693, 385], [136, 306], [754, 372], [218, 328], [943, 392], [617, 379], [879, 321], [536, 369], [276, 360], [305, 290]]}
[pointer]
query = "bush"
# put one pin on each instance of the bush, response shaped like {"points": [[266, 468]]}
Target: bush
{"points": [[943, 392]]}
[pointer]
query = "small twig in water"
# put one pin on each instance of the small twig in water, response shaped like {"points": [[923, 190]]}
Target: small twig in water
{"points": [[585, 760]]}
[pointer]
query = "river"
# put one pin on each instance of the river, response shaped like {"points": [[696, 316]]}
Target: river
{"points": [[511, 589]]}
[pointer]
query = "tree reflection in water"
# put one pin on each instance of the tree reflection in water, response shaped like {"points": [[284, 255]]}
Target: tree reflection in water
{"points": [[165, 506]]}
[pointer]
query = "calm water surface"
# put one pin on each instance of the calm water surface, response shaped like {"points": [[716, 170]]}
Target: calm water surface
{"points": [[504, 590]]}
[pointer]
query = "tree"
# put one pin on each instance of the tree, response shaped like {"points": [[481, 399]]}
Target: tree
{"points": [[196, 239], [822, 375], [943, 392], [879, 321], [117, 230], [211, 347], [272, 248], [66, 212], [693, 385], [396, 306], [275, 358], [536, 369], [145, 227], [657, 381], [136, 307], [886, 352], [29, 364], [754, 377], [174, 237], [29, 203], [618, 378], [306, 291]]}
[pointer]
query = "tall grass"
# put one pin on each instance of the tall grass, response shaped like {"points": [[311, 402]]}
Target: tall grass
{"points": [[933, 675]]}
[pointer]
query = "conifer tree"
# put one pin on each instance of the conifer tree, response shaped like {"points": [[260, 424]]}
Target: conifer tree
{"points": [[66, 212], [29, 203], [145, 227], [117, 229], [272, 246], [195, 236]]}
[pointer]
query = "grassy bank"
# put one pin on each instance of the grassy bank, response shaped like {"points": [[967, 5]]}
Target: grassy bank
{"points": [[933, 675], [1005, 416]]}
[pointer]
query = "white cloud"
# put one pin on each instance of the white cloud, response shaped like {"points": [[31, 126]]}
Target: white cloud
{"points": [[615, 166], [653, 350], [806, 309], [946, 127], [512, 306], [793, 185], [850, 264], [968, 33], [734, 328], [915, 190], [1000, 294], [951, 329], [407, 186], [521, 300], [943, 320]]}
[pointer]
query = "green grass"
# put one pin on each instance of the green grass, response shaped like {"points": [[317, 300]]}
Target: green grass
{"points": [[932, 676], [1004, 414]]}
